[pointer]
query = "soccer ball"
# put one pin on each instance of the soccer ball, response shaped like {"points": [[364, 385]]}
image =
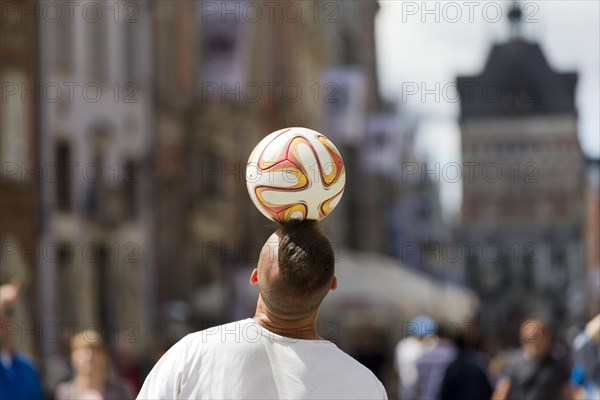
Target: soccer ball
{"points": [[295, 174]]}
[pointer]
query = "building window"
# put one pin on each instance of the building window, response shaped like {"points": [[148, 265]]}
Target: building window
{"points": [[349, 52], [98, 45], [97, 199], [130, 52], [13, 120], [131, 188], [166, 51], [64, 178], [103, 294], [63, 30], [65, 294], [529, 265], [212, 185]]}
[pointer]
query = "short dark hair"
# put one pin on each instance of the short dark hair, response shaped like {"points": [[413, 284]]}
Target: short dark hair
{"points": [[306, 267]]}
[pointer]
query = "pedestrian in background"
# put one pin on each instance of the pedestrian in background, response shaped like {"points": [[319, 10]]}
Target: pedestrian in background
{"points": [[421, 332], [370, 350], [432, 364], [586, 369], [464, 379], [93, 378], [535, 371], [19, 379]]}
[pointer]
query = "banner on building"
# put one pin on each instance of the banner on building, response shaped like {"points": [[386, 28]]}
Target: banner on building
{"points": [[345, 103], [382, 144]]}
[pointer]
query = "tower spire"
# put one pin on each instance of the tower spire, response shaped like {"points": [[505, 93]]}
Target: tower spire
{"points": [[515, 16]]}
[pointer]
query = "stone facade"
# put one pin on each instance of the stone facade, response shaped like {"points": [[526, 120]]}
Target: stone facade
{"points": [[96, 217]]}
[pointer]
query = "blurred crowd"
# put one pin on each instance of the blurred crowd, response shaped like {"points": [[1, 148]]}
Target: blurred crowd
{"points": [[430, 362], [436, 361]]}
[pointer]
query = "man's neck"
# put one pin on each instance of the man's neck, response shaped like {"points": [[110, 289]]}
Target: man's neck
{"points": [[297, 328]]}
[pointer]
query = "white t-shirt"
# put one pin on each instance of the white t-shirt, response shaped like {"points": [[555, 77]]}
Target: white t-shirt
{"points": [[242, 360], [408, 352]]}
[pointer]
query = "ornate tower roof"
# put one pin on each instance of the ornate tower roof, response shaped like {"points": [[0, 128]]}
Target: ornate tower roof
{"points": [[517, 80]]}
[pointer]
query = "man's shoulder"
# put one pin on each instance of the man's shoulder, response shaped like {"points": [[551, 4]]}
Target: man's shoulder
{"points": [[195, 345]]}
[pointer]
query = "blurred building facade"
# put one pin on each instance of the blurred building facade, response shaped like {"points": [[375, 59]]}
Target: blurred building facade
{"points": [[384, 210], [351, 97], [523, 181], [18, 159], [592, 236], [95, 187], [147, 114], [227, 75], [227, 83]]}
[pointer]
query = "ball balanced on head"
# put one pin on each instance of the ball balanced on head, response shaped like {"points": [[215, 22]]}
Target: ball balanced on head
{"points": [[295, 174]]}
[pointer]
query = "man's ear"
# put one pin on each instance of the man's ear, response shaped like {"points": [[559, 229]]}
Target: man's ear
{"points": [[254, 277], [334, 283]]}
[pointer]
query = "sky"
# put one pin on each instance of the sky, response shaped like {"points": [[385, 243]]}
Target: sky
{"points": [[421, 44]]}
